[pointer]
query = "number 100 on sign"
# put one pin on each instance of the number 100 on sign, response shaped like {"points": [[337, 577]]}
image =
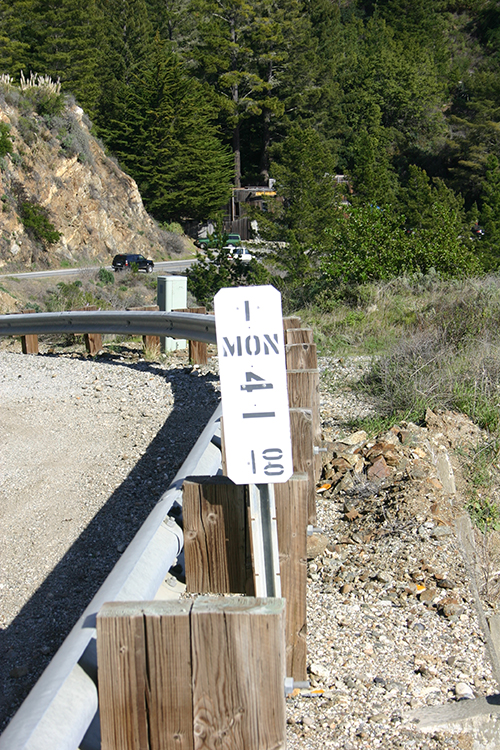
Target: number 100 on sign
{"points": [[253, 384]]}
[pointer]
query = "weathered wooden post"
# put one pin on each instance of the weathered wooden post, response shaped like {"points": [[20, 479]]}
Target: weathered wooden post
{"points": [[198, 351], [303, 393], [149, 343], [299, 336], [93, 341], [216, 539], [29, 342], [192, 675]]}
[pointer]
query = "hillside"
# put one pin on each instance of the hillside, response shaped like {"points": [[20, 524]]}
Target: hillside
{"points": [[64, 201]]}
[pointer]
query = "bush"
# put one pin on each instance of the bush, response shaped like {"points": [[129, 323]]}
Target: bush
{"points": [[5, 142], [106, 276], [35, 219]]}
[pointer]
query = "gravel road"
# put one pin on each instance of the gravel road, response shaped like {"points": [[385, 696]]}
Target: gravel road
{"points": [[88, 446]]}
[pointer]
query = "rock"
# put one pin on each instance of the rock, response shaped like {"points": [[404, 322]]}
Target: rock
{"points": [[379, 469], [441, 531], [463, 691], [356, 438], [318, 670], [316, 545]]}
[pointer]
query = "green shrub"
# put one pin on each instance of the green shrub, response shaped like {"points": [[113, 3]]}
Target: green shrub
{"points": [[106, 276], [5, 142], [35, 219]]}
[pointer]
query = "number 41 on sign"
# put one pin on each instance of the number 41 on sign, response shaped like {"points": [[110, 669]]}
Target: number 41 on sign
{"points": [[252, 367]]}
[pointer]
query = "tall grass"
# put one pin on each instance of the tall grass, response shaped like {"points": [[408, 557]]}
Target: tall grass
{"points": [[435, 344]]}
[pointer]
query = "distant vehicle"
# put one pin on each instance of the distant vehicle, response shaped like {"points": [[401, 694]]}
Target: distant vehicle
{"points": [[240, 253], [477, 231], [120, 262], [233, 240]]}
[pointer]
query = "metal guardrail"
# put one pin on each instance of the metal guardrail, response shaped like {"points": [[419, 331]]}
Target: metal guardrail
{"points": [[133, 322], [61, 711]]}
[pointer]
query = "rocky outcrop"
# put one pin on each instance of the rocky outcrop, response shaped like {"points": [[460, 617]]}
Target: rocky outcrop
{"points": [[58, 166]]}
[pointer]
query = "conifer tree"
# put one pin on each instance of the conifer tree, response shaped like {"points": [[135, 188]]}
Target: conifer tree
{"points": [[14, 37], [64, 41], [489, 217], [168, 142]]}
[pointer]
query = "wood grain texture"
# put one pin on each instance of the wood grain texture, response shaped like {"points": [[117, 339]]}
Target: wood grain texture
{"points": [[215, 535], [292, 321], [299, 336], [198, 351], [291, 513], [301, 429], [122, 672], [238, 674], [301, 357]]}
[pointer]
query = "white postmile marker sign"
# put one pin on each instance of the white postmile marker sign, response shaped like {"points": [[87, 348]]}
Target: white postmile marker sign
{"points": [[252, 366]]}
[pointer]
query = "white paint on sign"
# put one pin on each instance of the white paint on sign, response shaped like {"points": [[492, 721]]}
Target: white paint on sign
{"points": [[251, 348]]}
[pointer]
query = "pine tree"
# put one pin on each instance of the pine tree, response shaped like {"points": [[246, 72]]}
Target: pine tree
{"points": [[124, 55], [489, 216], [169, 144], [65, 36], [14, 39]]}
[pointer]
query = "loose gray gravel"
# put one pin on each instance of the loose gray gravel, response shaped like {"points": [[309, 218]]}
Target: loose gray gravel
{"points": [[88, 446]]}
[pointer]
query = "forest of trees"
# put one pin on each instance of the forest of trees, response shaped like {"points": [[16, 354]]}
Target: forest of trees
{"points": [[196, 96]]}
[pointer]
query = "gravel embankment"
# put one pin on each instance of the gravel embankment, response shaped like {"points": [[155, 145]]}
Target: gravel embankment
{"points": [[87, 449]]}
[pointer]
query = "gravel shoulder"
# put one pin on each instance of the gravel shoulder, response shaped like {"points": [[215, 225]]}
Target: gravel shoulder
{"points": [[88, 446]]}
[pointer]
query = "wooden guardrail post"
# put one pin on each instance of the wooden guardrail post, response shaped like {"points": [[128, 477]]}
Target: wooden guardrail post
{"points": [[149, 343], [198, 351], [303, 393], [29, 342], [216, 536], [93, 341], [185, 675], [299, 336], [291, 516]]}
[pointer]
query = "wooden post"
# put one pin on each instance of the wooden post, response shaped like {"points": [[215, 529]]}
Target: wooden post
{"points": [[29, 342], [93, 341], [198, 351], [190, 676], [299, 336], [291, 322], [303, 388], [301, 356], [291, 515], [216, 536], [150, 343], [301, 430]]}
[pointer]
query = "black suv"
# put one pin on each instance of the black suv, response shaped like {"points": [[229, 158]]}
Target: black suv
{"points": [[125, 261]]}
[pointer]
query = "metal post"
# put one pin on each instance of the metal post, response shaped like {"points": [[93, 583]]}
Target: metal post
{"points": [[264, 540]]}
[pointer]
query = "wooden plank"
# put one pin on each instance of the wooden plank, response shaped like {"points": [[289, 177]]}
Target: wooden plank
{"points": [[299, 336], [238, 674], [215, 535], [301, 357], [168, 632], [198, 350], [292, 321], [301, 429], [291, 514], [93, 341], [145, 686], [29, 342], [122, 674], [303, 393], [149, 343]]}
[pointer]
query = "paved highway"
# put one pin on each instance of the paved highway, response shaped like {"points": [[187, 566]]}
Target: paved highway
{"points": [[166, 266]]}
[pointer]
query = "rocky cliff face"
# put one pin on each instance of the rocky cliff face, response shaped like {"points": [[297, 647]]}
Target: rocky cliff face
{"points": [[61, 171]]}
